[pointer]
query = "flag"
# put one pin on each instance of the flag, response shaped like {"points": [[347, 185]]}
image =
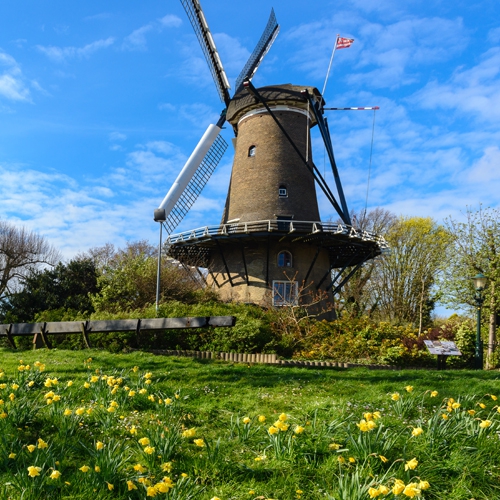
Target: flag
{"points": [[344, 43]]}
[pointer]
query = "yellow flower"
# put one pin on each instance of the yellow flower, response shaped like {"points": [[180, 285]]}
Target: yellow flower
{"points": [[417, 431], [384, 490], [42, 444], [31, 448], [385, 460], [110, 486], [56, 398], [168, 401], [411, 490], [99, 445], [55, 474], [94, 379], [31, 383], [144, 441], [188, 433], [34, 471], [133, 430], [493, 397], [273, 430], [184, 474], [395, 396], [482, 405], [485, 424], [409, 388], [471, 412], [12, 396], [352, 460], [151, 491], [97, 468], [86, 385], [411, 464], [262, 419], [166, 467], [424, 485], [139, 468], [131, 486], [12, 455], [151, 397], [373, 492], [341, 460], [455, 406], [70, 383], [334, 446], [246, 420], [199, 442], [49, 394], [142, 391], [445, 416], [398, 487], [67, 412], [135, 369], [84, 468], [299, 429], [149, 450], [80, 411], [365, 426], [131, 394]]}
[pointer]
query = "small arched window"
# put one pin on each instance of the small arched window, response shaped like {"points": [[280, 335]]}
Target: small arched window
{"points": [[251, 151], [284, 259], [282, 191]]}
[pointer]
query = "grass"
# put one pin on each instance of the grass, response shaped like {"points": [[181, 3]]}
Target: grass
{"points": [[181, 428]]}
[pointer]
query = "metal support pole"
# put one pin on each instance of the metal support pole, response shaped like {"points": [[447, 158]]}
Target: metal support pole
{"points": [[158, 274], [478, 355]]}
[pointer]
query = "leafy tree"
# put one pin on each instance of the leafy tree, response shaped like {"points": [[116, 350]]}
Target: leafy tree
{"points": [[21, 253], [475, 249], [66, 286], [405, 278], [359, 295], [128, 278]]}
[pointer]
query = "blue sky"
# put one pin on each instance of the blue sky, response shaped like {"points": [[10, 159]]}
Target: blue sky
{"points": [[102, 102]]}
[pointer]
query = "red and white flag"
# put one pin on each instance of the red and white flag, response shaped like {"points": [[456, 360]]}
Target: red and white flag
{"points": [[344, 43]]}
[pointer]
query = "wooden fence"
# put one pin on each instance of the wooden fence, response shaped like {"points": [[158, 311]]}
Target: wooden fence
{"points": [[41, 331]]}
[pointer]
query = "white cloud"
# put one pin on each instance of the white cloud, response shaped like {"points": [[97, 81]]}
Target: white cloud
{"points": [[12, 84], [117, 136], [170, 21], [60, 54], [474, 91], [137, 39]]}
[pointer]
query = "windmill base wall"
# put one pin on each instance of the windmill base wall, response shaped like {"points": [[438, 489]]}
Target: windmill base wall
{"points": [[262, 268]]}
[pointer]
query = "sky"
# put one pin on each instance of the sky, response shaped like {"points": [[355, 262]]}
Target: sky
{"points": [[101, 103]]}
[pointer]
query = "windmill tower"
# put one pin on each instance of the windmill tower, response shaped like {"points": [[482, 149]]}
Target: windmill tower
{"points": [[271, 241]]}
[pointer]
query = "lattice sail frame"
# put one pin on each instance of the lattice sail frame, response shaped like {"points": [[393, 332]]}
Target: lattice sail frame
{"points": [[196, 184]]}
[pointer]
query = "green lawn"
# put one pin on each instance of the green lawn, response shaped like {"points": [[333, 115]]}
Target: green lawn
{"points": [[181, 428]]}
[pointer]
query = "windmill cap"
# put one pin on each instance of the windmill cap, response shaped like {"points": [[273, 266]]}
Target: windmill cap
{"points": [[274, 95]]}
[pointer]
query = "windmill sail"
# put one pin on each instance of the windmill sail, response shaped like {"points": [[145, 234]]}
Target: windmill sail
{"points": [[193, 177], [200, 27], [262, 48]]}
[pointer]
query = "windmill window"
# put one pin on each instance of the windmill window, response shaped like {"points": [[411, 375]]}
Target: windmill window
{"points": [[283, 192], [285, 293], [284, 259], [251, 151]]}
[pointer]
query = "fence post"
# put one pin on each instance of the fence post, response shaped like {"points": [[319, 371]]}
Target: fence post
{"points": [[85, 335]]}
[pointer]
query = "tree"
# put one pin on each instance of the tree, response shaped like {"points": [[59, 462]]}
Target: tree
{"points": [[475, 249], [21, 252], [359, 295], [406, 277], [128, 278], [65, 287]]}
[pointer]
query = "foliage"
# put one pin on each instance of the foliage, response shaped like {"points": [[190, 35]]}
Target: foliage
{"points": [[476, 249], [128, 279], [137, 426], [406, 277], [21, 252], [66, 287], [360, 295]]}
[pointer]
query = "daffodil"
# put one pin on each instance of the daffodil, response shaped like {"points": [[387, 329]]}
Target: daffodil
{"points": [[42, 444], [273, 430], [411, 464], [110, 486], [373, 492], [485, 424], [31, 448], [139, 468], [144, 441], [409, 388], [398, 487], [34, 471], [246, 420], [131, 486], [262, 419], [188, 433], [149, 450], [411, 490], [99, 445], [417, 431], [199, 442], [84, 468], [395, 396], [55, 474], [283, 417], [298, 429]]}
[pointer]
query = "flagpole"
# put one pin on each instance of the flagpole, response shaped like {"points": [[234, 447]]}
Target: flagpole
{"points": [[330, 65]]}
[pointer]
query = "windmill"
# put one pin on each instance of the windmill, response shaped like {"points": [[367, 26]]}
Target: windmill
{"points": [[271, 237]]}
